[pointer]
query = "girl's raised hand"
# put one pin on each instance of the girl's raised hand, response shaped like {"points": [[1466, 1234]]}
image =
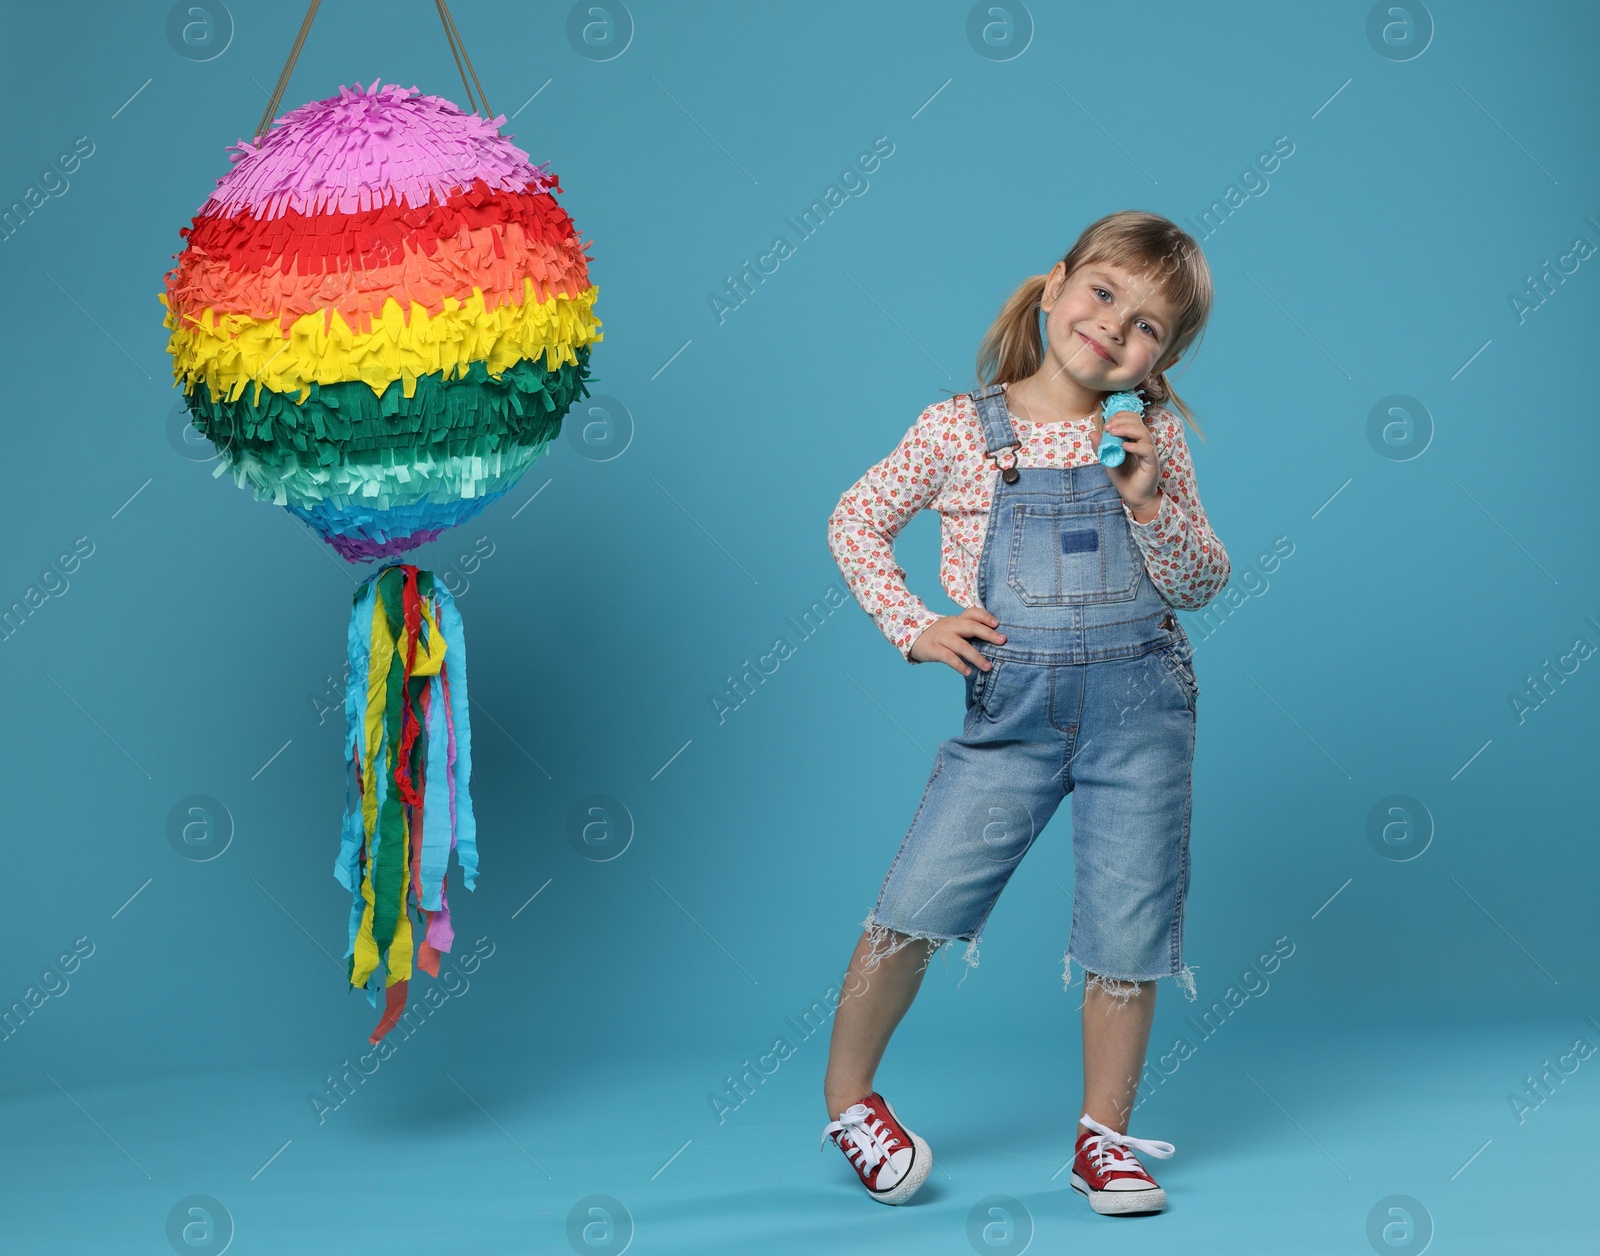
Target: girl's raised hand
{"points": [[946, 640], [1139, 476]]}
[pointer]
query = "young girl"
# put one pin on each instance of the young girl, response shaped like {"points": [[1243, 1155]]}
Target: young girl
{"points": [[1078, 677]]}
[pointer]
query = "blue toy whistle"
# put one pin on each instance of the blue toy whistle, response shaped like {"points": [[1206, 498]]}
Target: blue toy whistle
{"points": [[1111, 450]]}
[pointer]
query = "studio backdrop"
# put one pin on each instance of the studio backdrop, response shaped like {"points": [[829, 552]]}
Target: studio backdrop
{"points": [[692, 754]]}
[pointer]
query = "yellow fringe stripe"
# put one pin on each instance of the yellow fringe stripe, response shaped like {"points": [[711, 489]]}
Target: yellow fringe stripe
{"points": [[228, 351]]}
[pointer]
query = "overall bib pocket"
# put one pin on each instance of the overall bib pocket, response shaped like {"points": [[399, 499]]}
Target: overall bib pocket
{"points": [[1072, 554]]}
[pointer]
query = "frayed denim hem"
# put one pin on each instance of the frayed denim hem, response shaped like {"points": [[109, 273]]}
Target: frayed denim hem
{"points": [[1124, 988], [885, 940]]}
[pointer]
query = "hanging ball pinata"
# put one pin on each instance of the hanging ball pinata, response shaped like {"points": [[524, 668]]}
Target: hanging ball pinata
{"points": [[388, 312], [379, 319]]}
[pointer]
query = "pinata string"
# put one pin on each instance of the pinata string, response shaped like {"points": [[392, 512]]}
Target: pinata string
{"points": [[288, 69], [458, 50]]}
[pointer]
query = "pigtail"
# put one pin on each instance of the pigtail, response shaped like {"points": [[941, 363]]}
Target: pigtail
{"points": [[1013, 348], [1159, 391]]}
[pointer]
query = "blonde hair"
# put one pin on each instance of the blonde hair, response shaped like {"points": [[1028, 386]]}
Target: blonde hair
{"points": [[1142, 242]]}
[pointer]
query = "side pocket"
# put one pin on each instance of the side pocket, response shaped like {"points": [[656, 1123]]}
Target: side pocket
{"points": [[976, 680], [1178, 658], [985, 699]]}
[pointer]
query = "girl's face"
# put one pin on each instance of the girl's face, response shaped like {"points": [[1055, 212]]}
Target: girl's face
{"points": [[1105, 326]]}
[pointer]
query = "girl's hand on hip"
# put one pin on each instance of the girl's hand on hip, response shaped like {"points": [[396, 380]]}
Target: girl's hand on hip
{"points": [[1137, 480], [946, 640]]}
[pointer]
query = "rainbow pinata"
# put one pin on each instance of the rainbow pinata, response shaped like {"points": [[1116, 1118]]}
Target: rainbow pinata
{"points": [[379, 319], [380, 316]]}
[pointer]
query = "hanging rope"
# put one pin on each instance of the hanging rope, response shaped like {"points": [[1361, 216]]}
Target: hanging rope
{"points": [[288, 69], [456, 42], [458, 50]]}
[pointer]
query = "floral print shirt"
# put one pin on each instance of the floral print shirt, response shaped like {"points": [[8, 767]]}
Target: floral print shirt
{"points": [[940, 463]]}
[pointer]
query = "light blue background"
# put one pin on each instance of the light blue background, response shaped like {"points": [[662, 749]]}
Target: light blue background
{"points": [[1379, 658]]}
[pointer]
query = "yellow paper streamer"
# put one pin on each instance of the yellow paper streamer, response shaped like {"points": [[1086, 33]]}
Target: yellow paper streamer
{"points": [[228, 351]]}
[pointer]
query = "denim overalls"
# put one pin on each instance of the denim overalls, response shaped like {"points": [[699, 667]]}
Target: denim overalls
{"points": [[1093, 694]]}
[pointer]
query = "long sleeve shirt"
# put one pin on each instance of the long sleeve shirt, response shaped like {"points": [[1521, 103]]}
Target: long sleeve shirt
{"points": [[940, 463]]}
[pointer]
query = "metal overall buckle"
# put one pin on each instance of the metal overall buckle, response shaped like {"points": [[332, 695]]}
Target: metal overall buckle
{"points": [[1008, 471]]}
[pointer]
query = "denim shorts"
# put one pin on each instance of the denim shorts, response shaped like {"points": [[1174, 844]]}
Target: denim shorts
{"points": [[1118, 736]]}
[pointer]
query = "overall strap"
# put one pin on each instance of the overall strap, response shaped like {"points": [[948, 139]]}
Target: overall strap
{"points": [[997, 430], [999, 437]]}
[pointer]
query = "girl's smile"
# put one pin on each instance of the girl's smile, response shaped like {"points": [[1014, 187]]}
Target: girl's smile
{"points": [[1097, 347]]}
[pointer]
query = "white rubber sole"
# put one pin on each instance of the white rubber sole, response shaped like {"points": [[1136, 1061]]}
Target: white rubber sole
{"points": [[1120, 1203]]}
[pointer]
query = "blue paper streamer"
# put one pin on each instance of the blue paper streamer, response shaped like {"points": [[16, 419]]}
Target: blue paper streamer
{"points": [[456, 662]]}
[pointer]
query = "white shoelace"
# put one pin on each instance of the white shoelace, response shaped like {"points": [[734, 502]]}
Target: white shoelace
{"points": [[1110, 1147], [866, 1133]]}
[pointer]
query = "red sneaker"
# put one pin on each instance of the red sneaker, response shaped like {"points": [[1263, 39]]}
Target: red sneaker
{"points": [[891, 1161], [1106, 1170]]}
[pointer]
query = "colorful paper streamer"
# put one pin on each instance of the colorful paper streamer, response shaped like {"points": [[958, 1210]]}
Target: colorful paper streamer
{"points": [[408, 744]]}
